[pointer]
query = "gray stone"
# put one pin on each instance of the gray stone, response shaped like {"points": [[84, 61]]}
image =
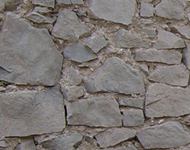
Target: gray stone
{"points": [[42, 10], [147, 9], [128, 39], [114, 136], [151, 32], [10, 5], [188, 16], [31, 113], [72, 92], [63, 142], [3, 144], [146, 21], [168, 40], [121, 148], [119, 12], [26, 144], [133, 117], [96, 42], [171, 9], [167, 135], [63, 2], [163, 101], [79, 2], [186, 56], [132, 102], [28, 55], [158, 56], [68, 27], [94, 112], [38, 18], [115, 76], [78, 52], [46, 3], [144, 68], [183, 30], [74, 77]]}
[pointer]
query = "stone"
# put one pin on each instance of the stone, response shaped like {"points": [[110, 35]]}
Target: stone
{"points": [[75, 78], [118, 12], [128, 39], [96, 42], [79, 2], [72, 92], [170, 57], [112, 137], [10, 5], [68, 27], [46, 3], [3, 144], [167, 135], [151, 32], [171, 9], [146, 21], [144, 68], [164, 101], [188, 15], [183, 30], [36, 58], [176, 75], [31, 113], [38, 18], [147, 10], [78, 52], [186, 56], [115, 76], [131, 102], [26, 144], [63, 2], [42, 10], [94, 112], [168, 40], [133, 117], [63, 142]]}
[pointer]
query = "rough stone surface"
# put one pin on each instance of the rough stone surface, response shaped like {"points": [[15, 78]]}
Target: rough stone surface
{"points": [[168, 40], [94, 112], [147, 10], [68, 27], [131, 102], [26, 144], [115, 76], [159, 56], [46, 3], [167, 135], [79, 2], [171, 9], [31, 113], [63, 2], [3, 144], [186, 56], [112, 137], [128, 39], [172, 75], [74, 77], [36, 59], [163, 101], [42, 10], [183, 30], [78, 52]]}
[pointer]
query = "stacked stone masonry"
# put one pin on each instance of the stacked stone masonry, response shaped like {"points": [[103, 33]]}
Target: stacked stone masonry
{"points": [[94, 74]]}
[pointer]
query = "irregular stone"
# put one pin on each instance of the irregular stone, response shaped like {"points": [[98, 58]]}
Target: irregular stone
{"points": [[3, 144], [160, 56], [115, 76], [119, 12], [171, 9], [168, 40], [74, 77], [146, 21], [151, 32], [36, 58], [72, 92], [133, 117], [121, 148], [94, 112], [188, 15], [144, 68], [78, 52], [127, 39], [26, 144], [163, 101], [147, 9], [68, 27], [167, 135], [79, 2], [60, 2], [186, 56], [173, 75], [96, 42], [132, 102], [114, 136], [46, 3], [31, 113], [183, 30], [9, 5], [63, 142], [42, 10]]}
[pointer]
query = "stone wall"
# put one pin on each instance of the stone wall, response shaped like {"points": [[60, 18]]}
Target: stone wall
{"points": [[94, 74]]}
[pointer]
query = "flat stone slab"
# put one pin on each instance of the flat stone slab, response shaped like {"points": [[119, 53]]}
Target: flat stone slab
{"points": [[46, 3], [186, 56], [26, 144], [132, 102], [183, 30], [147, 10]]}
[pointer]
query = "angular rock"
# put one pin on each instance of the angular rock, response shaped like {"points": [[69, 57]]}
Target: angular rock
{"points": [[147, 9], [144, 68], [151, 32], [127, 39], [26, 144], [10, 5], [133, 117], [115, 76], [167, 135], [31, 113], [78, 52], [94, 112], [46, 3], [119, 12], [42, 10], [63, 142], [68, 27], [79, 2], [159, 56], [114, 136], [132, 102], [171, 9], [63, 2], [168, 40], [183, 30], [3, 144], [28, 55], [163, 101], [146, 21], [74, 77], [186, 56]]}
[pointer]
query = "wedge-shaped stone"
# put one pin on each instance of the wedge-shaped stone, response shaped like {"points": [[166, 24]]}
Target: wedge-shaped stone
{"points": [[46, 3], [26, 144], [30, 113], [115, 76], [94, 112], [167, 135], [132, 102], [163, 101], [27, 54], [186, 56], [183, 30]]}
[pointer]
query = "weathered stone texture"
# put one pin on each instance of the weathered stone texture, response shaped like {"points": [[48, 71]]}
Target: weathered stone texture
{"points": [[186, 56], [147, 9], [74, 77], [183, 30], [46, 3], [132, 102], [26, 144]]}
